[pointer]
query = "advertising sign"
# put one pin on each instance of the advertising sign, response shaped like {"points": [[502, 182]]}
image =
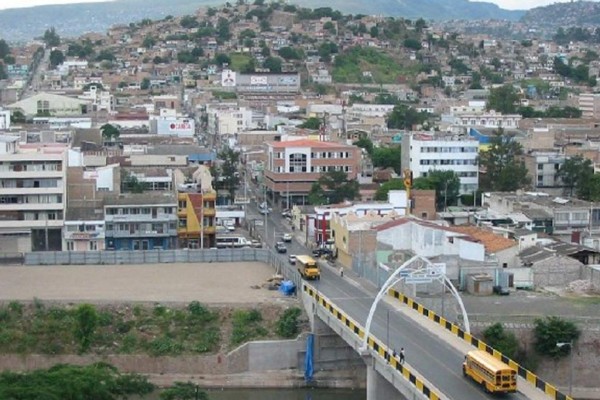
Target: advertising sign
{"points": [[228, 78], [258, 80], [176, 127]]}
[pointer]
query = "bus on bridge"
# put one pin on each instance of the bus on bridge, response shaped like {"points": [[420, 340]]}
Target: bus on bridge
{"points": [[491, 373]]}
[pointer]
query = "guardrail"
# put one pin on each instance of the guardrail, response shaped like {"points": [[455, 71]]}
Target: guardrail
{"points": [[472, 340], [378, 347], [107, 257]]}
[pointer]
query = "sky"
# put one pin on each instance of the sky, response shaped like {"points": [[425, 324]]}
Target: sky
{"points": [[508, 4]]}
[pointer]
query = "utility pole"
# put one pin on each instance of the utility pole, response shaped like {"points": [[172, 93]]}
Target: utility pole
{"points": [[265, 211], [287, 187], [202, 223]]}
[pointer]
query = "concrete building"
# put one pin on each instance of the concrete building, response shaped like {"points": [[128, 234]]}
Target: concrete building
{"points": [[32, 196], [196, 211], [4, 119], [141, 221], [293, 166], [424, 152], [227, 119], [589, 104], [46, 104], [543, 167]]}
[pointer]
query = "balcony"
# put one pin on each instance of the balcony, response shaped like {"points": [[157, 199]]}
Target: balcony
{"points": [[140, 218], [209, 212]]}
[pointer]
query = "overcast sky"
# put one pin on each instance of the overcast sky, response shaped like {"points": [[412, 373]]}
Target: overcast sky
{"points": [[509, 4]]}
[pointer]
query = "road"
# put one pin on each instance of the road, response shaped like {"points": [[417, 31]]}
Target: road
{"points": [[437, 362]]}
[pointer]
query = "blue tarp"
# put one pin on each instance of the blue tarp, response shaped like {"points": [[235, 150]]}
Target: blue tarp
{"points": [[287, 287], [308, 360]]}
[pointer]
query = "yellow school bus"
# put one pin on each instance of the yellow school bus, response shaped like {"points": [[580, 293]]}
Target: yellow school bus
{"points": [[491, 373], [308, 267]]}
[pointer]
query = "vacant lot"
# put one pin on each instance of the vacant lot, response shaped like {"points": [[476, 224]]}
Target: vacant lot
{"points": [[213, 283]]}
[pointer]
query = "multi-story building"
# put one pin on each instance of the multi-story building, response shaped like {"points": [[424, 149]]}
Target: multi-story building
{"points": [[589, 104], [141, 221], [196, 212], [424, 152], [543, 169], [32, 196], [227, 119], [293, 166]]}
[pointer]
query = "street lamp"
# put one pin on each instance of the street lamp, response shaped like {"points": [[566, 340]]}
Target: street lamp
{"points": [[570, 344]]}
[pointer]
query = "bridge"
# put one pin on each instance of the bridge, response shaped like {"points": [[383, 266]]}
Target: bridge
{"points": [[434, 347]]}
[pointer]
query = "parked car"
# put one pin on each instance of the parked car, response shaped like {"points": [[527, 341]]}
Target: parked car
{"points": [[280, 247], [320, 252], [292, 259], [230, 228], [500, 290], [256, 244], [264, 211], [286, 214], [286, 237]]}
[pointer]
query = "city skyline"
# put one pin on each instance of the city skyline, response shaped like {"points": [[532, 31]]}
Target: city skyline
{"points": [[506, 4]]}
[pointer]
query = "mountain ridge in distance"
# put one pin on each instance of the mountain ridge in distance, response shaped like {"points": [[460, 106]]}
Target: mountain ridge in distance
{"points": [[72, 20]]}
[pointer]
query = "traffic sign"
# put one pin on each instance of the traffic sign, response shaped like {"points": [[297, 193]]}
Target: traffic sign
{"points": [[418, 279]]}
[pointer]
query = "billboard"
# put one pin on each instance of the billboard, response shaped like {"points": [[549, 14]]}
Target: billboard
{"points": [[228, 78], [182, 127], [258, 80]]}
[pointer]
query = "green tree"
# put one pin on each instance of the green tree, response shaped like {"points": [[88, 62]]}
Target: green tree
{"points": [[110, 132], [365, 143], [287, 325], [223, 32], [86, 321], [333, 187], [311, 123], [149, 42], [221, 59], [183, 391], [552, 330], [145, 84], [272, 63], [289, 53], [188, 22], [17, 117], [412, 43], [4, 49], [56, 58], [576, 173], [384, 188], [228, 171], [446, 185], [503, 99], [504, 169], [404, 117], [501, 340], [51, 38], [386, 157], [106, 55]]}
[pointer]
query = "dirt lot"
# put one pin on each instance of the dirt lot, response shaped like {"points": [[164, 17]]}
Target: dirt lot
{"points": [[214, 283]]}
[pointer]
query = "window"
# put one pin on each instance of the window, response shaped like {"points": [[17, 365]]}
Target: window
{"points": [[93, 245], [43, 107], [297, 162], [70, 246]]}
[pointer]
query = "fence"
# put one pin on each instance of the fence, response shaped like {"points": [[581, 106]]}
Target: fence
{"points": [[139, 257]]}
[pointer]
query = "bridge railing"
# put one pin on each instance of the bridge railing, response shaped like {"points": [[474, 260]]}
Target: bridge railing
{"points": [[539, 383], [379, 347]]}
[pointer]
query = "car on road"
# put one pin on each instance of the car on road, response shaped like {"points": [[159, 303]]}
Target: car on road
{"points": [[320, 252], [286, 237], [256, 244], [280, 247], [264, 211], [286, 214], [292, 259]]}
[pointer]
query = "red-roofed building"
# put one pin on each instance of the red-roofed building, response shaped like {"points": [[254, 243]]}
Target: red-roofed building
{"points": [[293, 166]]}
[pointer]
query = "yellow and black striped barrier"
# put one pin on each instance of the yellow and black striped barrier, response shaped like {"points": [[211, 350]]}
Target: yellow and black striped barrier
{"points": [[455, 329], [379, 348]]}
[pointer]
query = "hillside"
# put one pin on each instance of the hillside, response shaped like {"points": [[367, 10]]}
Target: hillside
{"points": [[580, 13], [75, 19]]}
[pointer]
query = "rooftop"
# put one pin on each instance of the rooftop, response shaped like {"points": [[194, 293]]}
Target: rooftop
{"points": [[309, 143], [141, 199], [491, 241]]}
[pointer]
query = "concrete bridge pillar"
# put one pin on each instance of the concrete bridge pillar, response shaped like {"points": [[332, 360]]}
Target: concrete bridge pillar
{"points": [[378, 387]]}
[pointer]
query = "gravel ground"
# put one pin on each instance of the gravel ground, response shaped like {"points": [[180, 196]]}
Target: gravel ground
{"points": [[211, 283]]}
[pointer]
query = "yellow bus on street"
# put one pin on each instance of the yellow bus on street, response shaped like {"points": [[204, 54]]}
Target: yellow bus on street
{"points": [[308, 267], [491, 373]]}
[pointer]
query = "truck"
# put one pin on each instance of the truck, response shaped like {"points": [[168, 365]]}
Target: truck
{"points": [[308, 267]]}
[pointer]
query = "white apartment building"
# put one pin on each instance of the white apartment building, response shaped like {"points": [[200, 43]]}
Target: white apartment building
{"points": [[589, 104], [369, 110], [4, 119], [228, 119], [32, 196], [425, 152]]}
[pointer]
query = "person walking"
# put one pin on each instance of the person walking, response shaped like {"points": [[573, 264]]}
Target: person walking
{"points": [[341, 271], [402, 355]]}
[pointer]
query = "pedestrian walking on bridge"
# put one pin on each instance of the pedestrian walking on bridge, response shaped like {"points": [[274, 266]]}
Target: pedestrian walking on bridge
{"points": [[402, 355]]}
